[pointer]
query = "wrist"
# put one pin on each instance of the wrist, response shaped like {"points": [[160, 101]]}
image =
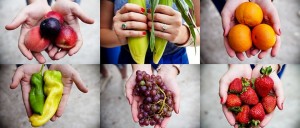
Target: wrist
{"points": [[184, 36], [168, 70], [142, 67]]}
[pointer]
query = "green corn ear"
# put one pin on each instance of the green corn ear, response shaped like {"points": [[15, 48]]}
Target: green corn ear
{"points": [[160, 44], [138, 45]]}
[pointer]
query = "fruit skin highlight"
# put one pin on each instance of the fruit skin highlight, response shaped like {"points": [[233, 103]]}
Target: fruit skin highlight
{"points": [[66, 38], [239, 38], [34, 42], [263, 36], [249, 13], [50, 28]]}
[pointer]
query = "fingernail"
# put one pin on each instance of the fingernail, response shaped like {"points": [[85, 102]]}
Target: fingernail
{"points": [[221, 100], [143, 10], [144, 33], [148, 10], [281, 106], [279, 31]]}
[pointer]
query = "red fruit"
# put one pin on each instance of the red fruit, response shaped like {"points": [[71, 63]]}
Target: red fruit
{"points": [[269, 103], [257, 112], [233, 102], [55, 15], [236, 86], [34, 42], [248, 96], [243, 116], [264, 84], [66, 38]]}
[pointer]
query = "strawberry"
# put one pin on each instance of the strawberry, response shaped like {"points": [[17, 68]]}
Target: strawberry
{"points": [[236, 86], [257, 112], [233, 103], [264, 84], [243, 116], [269, 103], [248, 96]]}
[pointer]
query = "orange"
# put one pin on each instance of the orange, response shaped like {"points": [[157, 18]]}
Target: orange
{"points": [[239, 38], [263, 36], [249, 13]]}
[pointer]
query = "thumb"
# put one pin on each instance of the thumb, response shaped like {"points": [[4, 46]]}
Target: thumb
{"points": [[226, 16], [77, 11], [17, 78], [275, 21], [79, 83], [20, 18]]}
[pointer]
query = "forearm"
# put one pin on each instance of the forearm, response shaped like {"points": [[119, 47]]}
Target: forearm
{"points": [[108, 38], [168, 70]]}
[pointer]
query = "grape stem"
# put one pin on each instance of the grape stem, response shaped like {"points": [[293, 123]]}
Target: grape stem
{"points": [[161, 108]]}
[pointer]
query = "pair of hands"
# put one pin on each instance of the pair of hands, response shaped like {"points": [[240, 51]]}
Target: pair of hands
{"points": [[33, 14], [270, 17], [137, 23], [69, 75], [168, 74], [244, 70]]}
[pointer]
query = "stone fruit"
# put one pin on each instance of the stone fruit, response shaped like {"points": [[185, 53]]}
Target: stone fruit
{"points": [[239, 38], [249, 13], [263, 36], [34, 42], [50, 28], [56, 15], [66, 38]]}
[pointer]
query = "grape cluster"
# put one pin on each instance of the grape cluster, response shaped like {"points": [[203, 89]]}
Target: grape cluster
{"points": [[157, 99]]}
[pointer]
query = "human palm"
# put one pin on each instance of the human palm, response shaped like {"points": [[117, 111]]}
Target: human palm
{"points": [[29, 17]]}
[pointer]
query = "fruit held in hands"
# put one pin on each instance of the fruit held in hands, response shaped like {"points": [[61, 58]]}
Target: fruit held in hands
{"points": [[257, 112], [269, 103], [243, 116], [50, 28], [264, 84], [233, 103], [157, 99], [236, 86], [249, 13], [239, 38], [56, 15], [263, 36], [248, 96], [66, 38], [34, 42]]}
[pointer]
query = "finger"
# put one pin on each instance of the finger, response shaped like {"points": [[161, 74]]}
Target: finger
{"points": [[262, 54], [240, 56], [20, 18], [223, 88], [19, 74], [157, 126], [131, 8], [279, 92], [162, 18], [25, 94], [75, 49], [132, 33], [129, 87], [276, 47], [229, 51], [26, 52], [60, 54], [50, 47], [254, 51], [166, 10], [78, 12], [226, 18], [275, 21], [266, 120], [133, 25], [164, 122], [39, 57], [159, 27], [133, 16], [79, 83], [229, 116], [163, 35], [176, 97], [63, 102], [53, 51], [248, 53], [53, 118], [134, 111]]}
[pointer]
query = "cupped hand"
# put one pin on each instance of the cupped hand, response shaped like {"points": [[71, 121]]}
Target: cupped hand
{"points": [[168, 24], [228, 21], [270, 17], [234, 71], [70, 11], [132, 16], [29, 17], [69, 75], [277, 88], [22, 76]]}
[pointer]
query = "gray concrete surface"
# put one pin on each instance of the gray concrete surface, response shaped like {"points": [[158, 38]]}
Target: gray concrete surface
{"points": [[211, 111], [88, 54], [212, 46], [82, 110], [116, 112]]}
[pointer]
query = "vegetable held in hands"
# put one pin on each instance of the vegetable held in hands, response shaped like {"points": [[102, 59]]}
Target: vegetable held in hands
{"points": [[138, 45], [53, 89], [36, 94]]}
